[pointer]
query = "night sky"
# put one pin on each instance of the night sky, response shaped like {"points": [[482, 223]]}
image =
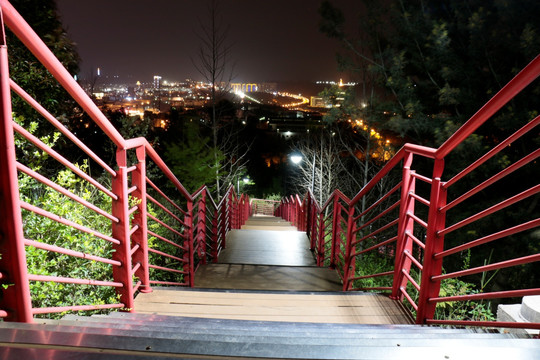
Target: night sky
{"points": [[271, 40]]}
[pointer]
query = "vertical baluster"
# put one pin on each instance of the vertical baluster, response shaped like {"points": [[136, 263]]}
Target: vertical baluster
{"points": [[15, 298], [120, 231], [434, 244], [201, 230], [405, 225], [140, 237], [189, 266]]}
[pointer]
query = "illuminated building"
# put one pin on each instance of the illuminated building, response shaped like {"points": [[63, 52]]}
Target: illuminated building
{"points": [[157, 82]]}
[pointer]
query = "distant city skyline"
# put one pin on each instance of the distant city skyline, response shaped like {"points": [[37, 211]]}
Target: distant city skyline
{"points": [[137, 39]]}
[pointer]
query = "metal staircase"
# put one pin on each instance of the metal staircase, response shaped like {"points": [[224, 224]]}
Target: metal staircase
{"points": [[139, 336]]}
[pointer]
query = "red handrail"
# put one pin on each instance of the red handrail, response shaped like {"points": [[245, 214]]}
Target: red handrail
{"points": [[392, 226], [190, 224]]}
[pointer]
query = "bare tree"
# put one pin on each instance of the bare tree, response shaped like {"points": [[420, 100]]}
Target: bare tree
{"points": [[215, 66]]}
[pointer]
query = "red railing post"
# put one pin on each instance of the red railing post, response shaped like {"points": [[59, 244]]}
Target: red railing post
{"points": [[320, 235], [405, 227], [336, 219], [140, 236], [215, 236], [201, 228], [350, 262], [189, 266], [120, 231], [15, 302], [434, 244]]}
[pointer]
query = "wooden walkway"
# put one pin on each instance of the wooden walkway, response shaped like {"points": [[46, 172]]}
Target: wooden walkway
{"points": [[267, 272]]}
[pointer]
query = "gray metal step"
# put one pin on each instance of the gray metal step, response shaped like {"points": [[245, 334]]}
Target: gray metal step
{"points": [[34, 336], [266, 328], [311, 336]]}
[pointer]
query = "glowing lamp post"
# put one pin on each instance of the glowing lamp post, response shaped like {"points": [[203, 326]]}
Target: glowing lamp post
{"points": [[296, 158]]}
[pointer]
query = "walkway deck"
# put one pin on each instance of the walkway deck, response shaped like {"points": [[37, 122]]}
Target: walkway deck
{"points": [[267, 272]]}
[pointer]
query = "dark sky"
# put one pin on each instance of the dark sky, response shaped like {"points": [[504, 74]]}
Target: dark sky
{"points": [[274, 40]]}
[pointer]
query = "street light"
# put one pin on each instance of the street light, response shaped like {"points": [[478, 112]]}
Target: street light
{"points": [[296, 158]]}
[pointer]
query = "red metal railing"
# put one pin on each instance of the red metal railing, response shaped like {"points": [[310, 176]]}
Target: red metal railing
{"points": [[408, 219], [158, 232]]}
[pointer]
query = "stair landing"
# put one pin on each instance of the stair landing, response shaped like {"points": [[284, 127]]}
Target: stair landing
{"points": [[268, 273], [320, 307]]}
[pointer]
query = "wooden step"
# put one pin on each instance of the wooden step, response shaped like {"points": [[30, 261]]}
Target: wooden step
{"points": [[358, 308]]}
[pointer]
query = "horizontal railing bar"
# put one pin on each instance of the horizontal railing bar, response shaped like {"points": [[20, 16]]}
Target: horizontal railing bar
{"points": [[3, 314], [166, 240], [57, 124], [510, 169], [167, 269], [164, 225], [415, 239], [165, 209], [510, 231], [64, 191], [154, 186], [381, 214], [48, 310], [134, 249], [378, 288], [132, 189], [67, 280], [417, 220], [387, 273], [495, 266], [132, 210], [168, 283], [389, 166], [419, 198], [494, 151], [503, 204], [502, 324], [414, 174], [131, 168], [489, 295], [413, 259], [137, 286], [166, 255], [67, 222], [386, 242], [518, 83], [386, 227], [78, 254], [411, 280], [409, 298], [41, 145], [135, 268], [133, 230]]}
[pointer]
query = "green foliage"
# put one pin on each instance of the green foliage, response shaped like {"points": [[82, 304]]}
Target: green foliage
{"points": [[373, 263], [28, 72], [192, 159], [274, 197], [48, 231]]}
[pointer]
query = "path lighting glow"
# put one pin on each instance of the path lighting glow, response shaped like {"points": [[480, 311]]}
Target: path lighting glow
{"points": [[295, 158]]}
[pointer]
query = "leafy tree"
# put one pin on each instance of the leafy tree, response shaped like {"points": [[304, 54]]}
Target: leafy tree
{"points": [[434, 64], [191, 159], [25, 69]]}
